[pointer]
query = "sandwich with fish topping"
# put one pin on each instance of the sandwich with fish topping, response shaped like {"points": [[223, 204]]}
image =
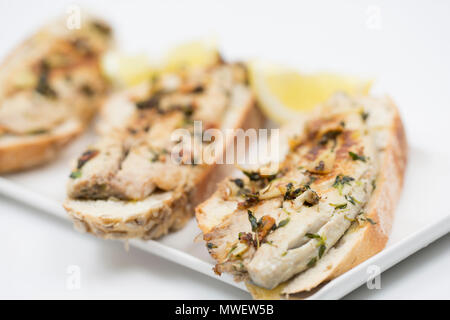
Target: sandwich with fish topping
{"points": [[329, 207], [50, 87], [137, 181]]}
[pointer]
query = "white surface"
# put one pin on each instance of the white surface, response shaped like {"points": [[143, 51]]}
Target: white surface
{"points": [[408, 55], [412, 230], [39, 256]]}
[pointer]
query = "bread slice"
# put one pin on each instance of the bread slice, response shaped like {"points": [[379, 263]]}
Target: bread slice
{"points": [[335, 221], [130, 188], [20, 152], [50, 87]]}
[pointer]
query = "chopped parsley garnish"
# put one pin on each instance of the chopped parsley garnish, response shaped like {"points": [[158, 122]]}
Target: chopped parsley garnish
{"points": [[330, 135], [211, 245], [256, 176], [102, 27], [339, 206], [340, 181], [356, 156], [322, 245], [37, 131], [291, 193], [155, 157], [261, 227], [312, 262], [369, 220], [322, 249], [250, 198], [75, 174], [231, 250], [364, 115], [313, 236], [253, 221], [283, 222], [43, 86], [351, 199]]}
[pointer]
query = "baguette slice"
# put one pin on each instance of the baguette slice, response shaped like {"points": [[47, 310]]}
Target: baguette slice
{"points": [[130, 189], [329, 226], [50, 87]]}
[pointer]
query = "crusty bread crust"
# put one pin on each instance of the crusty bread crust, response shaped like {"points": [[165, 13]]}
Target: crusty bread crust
{"points": [[360, 242], [28, 152], [173, 213], [147, 223]]}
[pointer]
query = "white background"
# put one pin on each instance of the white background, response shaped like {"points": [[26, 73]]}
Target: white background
{"points": [[403, 44]]}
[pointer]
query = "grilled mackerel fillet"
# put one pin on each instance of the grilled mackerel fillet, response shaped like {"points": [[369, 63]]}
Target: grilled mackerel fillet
{"points": [[137, 181], [50, 87], [328, 208]]}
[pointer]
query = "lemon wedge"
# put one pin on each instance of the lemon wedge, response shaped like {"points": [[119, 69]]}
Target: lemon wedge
{"points": [[193, 54], [127, 70], [284, 94]]}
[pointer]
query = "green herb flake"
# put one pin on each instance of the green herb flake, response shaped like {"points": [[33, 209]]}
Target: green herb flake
{"points": [[330, 135], [291, 194], [356, 156], [253, 221], [231, 250], [155, 157], [348, 219], [75, 174], [338, 206], [312, 262], [211, 245], [102, 27], [283, 222], [364, 115], [313, 236], [351, 199], [256, 176], [340, 181], [270, 243], [43, 87], [37, 131], [322, 249]]}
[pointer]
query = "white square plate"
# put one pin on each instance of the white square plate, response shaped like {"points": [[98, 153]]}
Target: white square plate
{"points": [[422, 216]]}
